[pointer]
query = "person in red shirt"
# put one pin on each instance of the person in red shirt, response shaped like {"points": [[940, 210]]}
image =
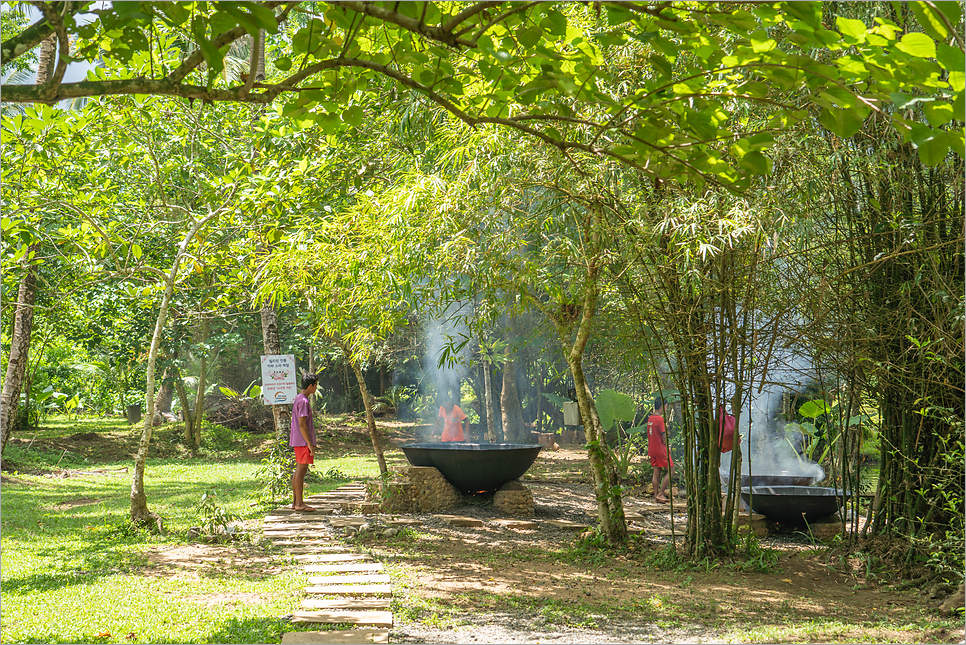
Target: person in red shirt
{"points": [[658, 452], [451, 417]]}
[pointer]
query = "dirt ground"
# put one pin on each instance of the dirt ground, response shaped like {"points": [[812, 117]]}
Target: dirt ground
{"points": [[465, 579], [496, 584]]}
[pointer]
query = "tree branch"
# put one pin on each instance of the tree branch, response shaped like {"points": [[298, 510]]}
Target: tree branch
{"points": [[26, 40], [410, 24]]}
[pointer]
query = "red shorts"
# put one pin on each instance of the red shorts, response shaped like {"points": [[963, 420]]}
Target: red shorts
{"points": [[303, 455], [661, 461]]}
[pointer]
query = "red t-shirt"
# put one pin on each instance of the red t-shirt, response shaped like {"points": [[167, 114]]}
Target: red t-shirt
{"points": [[656, 444], [453, 430]]}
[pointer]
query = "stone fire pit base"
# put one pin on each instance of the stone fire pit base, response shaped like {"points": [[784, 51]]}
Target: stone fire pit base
{"points": [[421, 489], [514, 499]]}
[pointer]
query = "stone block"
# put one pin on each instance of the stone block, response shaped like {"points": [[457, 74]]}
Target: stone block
{"points": [[517, 525], [757, 524], [825, 528], [515, 499], [456, 520], [336, 636]]}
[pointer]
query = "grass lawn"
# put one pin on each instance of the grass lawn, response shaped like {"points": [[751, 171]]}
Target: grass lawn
{"points": [[72, 568]]}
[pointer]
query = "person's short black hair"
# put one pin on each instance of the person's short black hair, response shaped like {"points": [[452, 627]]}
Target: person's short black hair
{"points": [[309, 378], [658, 403]]}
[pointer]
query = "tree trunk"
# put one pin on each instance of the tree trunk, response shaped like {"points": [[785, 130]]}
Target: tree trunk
{"points": [[23, 322], [282, 414], [166, 392], [370, 418], [186, 410], [607, 489], [46, 59], [511, 409], [139, 501], [199, 410]]}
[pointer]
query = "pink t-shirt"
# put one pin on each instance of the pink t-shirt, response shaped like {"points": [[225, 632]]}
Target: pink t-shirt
{"points": [[453, 428], [301, 408]]}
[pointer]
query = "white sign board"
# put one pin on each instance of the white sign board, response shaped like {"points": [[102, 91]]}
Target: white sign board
{"points": [[278, 379]]}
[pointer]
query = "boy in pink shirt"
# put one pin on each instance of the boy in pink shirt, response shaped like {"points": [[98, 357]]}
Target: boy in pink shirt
{"points": [[302, 439]]}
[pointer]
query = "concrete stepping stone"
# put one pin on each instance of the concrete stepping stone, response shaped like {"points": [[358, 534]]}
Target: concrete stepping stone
{"points": [[330, 557], [357, 604], [331, 548], [300, 517], [336, 636], [350, 579], [336, 617], [289, 533], [333, 544], [404, 521], [350, 590], [520, 525], [343, 568], [567, 525], [456, 520], [326, 509], [341, 522], [281, 526]]}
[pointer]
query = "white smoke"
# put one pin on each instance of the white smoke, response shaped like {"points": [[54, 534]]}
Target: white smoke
{"points": [[443, 334], [764, 448]]}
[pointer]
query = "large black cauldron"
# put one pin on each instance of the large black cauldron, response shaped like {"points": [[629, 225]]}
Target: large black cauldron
{"points": [[474, 467], [794, 505]]}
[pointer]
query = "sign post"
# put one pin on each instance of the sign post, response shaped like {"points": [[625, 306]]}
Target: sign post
{"points": [[279, 385]]}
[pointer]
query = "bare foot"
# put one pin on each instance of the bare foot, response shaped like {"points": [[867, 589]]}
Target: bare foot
{"points": [[661, 500], [303, 508]]}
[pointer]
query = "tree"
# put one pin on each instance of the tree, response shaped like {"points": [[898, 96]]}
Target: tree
{"points": [[535, 68]]}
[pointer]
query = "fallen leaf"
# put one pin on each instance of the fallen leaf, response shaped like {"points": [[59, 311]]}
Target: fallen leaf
{"points": [[102, 635], [786, 579], [131, 636]]}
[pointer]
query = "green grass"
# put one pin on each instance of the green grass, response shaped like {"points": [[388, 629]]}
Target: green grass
{"points": [[71, 571]]}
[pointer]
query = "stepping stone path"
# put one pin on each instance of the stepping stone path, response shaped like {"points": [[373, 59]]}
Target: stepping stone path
{"points": [[345, 587]]}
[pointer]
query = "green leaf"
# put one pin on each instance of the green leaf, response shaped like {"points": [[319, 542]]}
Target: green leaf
{"points": [[951, 9], [756, 163], [612, 406], [957, 141], [353, 115], [938, 113], [814, 408], [844, 123], [930, 19], [852, 28], [932, 145], [283, 64], [136, 251], [174, 13], [957, 81], [529, 37], [662, 65], [556, 400], [918, 45], [951, 58]]}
